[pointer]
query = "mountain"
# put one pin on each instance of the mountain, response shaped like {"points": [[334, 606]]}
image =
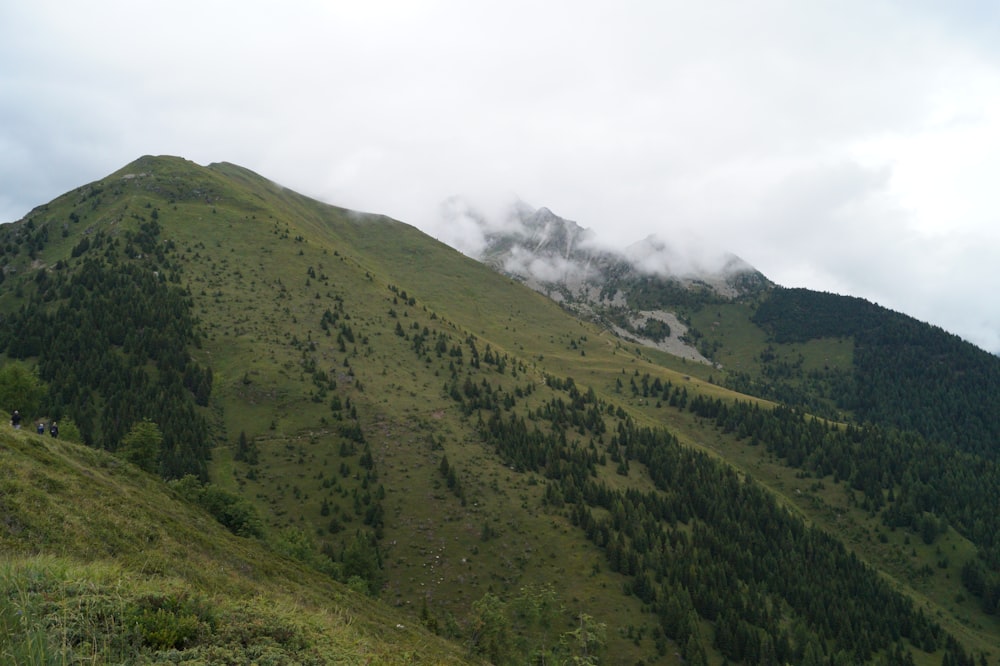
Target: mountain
{"points": [[633, 292], [902, 372], [357, 405]]}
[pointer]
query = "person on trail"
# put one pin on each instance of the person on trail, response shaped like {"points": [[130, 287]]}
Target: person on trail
{"points": [[41, 427], [54, 429], [15, 420]]}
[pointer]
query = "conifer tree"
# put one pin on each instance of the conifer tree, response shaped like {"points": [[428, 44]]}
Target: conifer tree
{"points": [[141, 445]]}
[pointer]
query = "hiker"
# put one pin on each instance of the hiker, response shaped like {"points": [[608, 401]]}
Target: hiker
{"points": [[41, 427], [54, 429], [15, 420]]}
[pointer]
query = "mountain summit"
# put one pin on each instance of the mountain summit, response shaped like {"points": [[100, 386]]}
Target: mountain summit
{"points": [[569, 263]]}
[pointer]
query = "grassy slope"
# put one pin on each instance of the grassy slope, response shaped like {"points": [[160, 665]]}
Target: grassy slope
{"points": [[104, 564], [433, 547], [408, 258], [247, 245]]}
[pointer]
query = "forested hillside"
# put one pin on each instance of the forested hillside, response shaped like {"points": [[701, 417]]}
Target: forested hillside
{"points": [[111, 340], [399, 418], [708, 544], [907, 374]]}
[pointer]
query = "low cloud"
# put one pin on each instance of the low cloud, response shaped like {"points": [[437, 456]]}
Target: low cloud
{"points": [[818, 142], [465, 222], [547, 269], [682, 255]]}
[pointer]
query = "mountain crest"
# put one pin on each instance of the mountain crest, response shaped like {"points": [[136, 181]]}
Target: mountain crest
{"points": [[626, 289], [552, 234]]}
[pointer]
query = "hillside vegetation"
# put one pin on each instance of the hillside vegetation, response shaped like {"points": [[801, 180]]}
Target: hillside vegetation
{"points": [[103, 563], [391, 415]]}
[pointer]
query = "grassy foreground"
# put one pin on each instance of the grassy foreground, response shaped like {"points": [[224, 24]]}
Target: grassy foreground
{"points": [[103, 564]]}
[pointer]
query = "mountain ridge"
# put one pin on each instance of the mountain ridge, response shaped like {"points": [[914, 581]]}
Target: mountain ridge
{"points": [[543, 234], [566, 262], [409, 421]]}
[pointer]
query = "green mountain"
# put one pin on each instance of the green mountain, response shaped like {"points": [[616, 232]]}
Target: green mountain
{"points": [[365, 407]]}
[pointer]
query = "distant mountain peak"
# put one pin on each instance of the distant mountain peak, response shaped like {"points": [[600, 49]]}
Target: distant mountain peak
{"points": [[624, 289], [525, 241], [539, 231]]}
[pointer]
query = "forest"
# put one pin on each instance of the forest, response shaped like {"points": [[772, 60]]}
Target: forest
{"points": [[915, 483], [709, 544], [906, 374], [111, 340]]}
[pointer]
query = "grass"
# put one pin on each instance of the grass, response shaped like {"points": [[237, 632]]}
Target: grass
{"points": [[59, 611], [262, 265], [742, 342], [259, 319], [104, 564]]}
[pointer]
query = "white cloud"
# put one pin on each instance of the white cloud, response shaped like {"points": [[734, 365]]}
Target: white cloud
{"points": [[848, 146]]}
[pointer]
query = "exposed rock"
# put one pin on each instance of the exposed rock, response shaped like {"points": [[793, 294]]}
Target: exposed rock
{"points": [[621, 289]]}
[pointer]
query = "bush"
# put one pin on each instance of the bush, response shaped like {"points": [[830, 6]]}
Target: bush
{"points": [[172, 622], [236, 513]]}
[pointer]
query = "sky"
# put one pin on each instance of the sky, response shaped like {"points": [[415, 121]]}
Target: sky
{"points": [[850, 146]]}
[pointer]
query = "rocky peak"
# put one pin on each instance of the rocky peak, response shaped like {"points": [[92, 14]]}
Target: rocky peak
{"points": [[538, 231], [625, 290]]}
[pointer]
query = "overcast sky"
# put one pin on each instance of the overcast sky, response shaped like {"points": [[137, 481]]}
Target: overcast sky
{"points": [[847, 146]]}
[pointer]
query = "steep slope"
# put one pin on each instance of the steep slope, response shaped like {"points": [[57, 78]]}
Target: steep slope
{"points": [[414, 423], [105, 564]]}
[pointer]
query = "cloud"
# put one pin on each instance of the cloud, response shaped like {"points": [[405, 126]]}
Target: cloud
{"points": [[547, 269], [841, 144]]}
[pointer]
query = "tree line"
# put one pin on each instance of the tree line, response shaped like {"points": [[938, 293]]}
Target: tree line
{"points": [[708, 544]]}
